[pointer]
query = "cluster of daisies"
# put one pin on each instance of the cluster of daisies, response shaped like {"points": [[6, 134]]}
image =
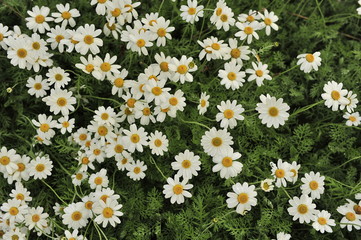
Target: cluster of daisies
{"points": [[146, 99]]}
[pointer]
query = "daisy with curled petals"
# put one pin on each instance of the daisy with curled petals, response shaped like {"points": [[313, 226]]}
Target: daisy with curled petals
{"points": [[58, 37], [126, 112], [14, 211], [135, 138], [176, 190], [58, 77], [353, 119], [35, 218], [4, 33], [267, 185], [203, 103], [243, 197], [65, 15], [309, 61], [73, 235], [108, 212], [119, 83], [86, 65], [20, 193], [273, 112], [248, 30], [81, 136], [87, 38], [216, 141], [102, 6], [229, 113], [37, 86], [155, 91], [22, 172], [75, 215], [45, 126], [105, 115], [258, 73], [225, 19], [20, 52], [314, 184], [351, 97], [281, 173], [158, 143], [213, 48], [182, 68], [238, 53], [187, 164], [176, 101], [143, 112], [124, 162], [334, 95], [161, 31], [302, 209], [163, 62], [40, 167], [350, 218], [139, 42], [103, 132], [136, 170], [115, 29], [115, 149], [78, 177], [38, 19], [105, 68], [250, 17], [85, 162], [150, 19], [226, 164], [65, 124], [99, 180], [294, 167], [96, 151], [60, 101], [191, 12], [269, 20], [8, 159], [131, 12], [323, 222], [232, 76]]}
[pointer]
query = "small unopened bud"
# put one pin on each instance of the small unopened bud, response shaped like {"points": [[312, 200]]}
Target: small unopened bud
{"points": [[9, 90], [276, 44]]}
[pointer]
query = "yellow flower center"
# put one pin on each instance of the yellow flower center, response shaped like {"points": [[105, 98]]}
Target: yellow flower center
{"points": [[22, 53], [268, 21], [151, 22], [35, 218], [216, 46], [228, 113], [294, 172], [105, 67], [178, 189], [44, 127], [66, 15], [1, 37], [89, 205], [131, 102], [227, 161], [129, 6], [13, 211], [76, 216], [58, 38], [124, 160], [83, 137], [36, 45], [137, 170], [231, 76], [102, 1], [164, 66], [313, 185], [98, 180], [351, 216], [116, 12], [192, 11], [335, 95], [108, 212], [85, 160], [219, 11], [158, 143], [135, 138], [39, 19], [280, 173], [96, 151], [259, 73], [118, 148], [217, 141], [242, 198], [111, 27], [203, 103], [157, 91], [146, 111], [310, 58], [250, 18], [20, 196], [58, 77], [273, 111], [104, 116], [302, 208], [265, 186], [186, 163], [140, 43], [182, 69], [224, 18], [65, 124], [21, 167], [152, 77], [79, 176], [89, 39], [40, 167], [173, 101], [119, 82], [61, 102], [102, 130], [235, 53], [89, 67], [352, 118], [248, 30], [161, 32], [322, 220]]}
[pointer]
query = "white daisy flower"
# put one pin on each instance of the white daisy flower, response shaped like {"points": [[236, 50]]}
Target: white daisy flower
{"points": [[213, 48], [37, 86], [40, 167], [136, 170], [302, 209], [161, 31], [115, 29], [250, 17], [191, 12], [20, 193], [78, 177], [353, 119], [281, 173], [115, 149], [35, 218], [131, 12], [87, 65], [20, 52], [182, 69], [267, 185], [216, 141], [238, 53], [334, 95], [176, 101], [58, 37], [269, 20], [225, 19], [243, 197], [273, 112], [75, 215], [103, 132], [143, 112], [229, 113], [65, 15], [119, 83], [116, 13], [96, 151], [15, 233], [187, 164], [58, 77], [38, 45], [14, 211], [314, 184], [126, 113], [101, 6], [60, 101], [203, 103], [158, 143], [4, 33], [294, 167], [176, 190], [135, 138], [124, 162], [45, 126], [352, 102], [155, 91], [163, 62], [38, 19], [87, 38], [8, 159], [232, 76], [81, 136], [105, 68], [350, 218], [85, 162], [258, 73], [323, 222], [226, 164], [283, 236], [221, 5], [65, 124], [108, 212], [99, 180], [74, 235], [22, 172], [309, 61], [248, 30], [150, 19], [105, 116], [139, 42]]}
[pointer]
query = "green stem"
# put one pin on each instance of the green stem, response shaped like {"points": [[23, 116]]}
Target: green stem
{"points": [[101, 98], [305, 108], [288, 195], [197, 123], [54, 192], [31, 123], [284, 72], [348, 161], [330, 179], [155, 164]]}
